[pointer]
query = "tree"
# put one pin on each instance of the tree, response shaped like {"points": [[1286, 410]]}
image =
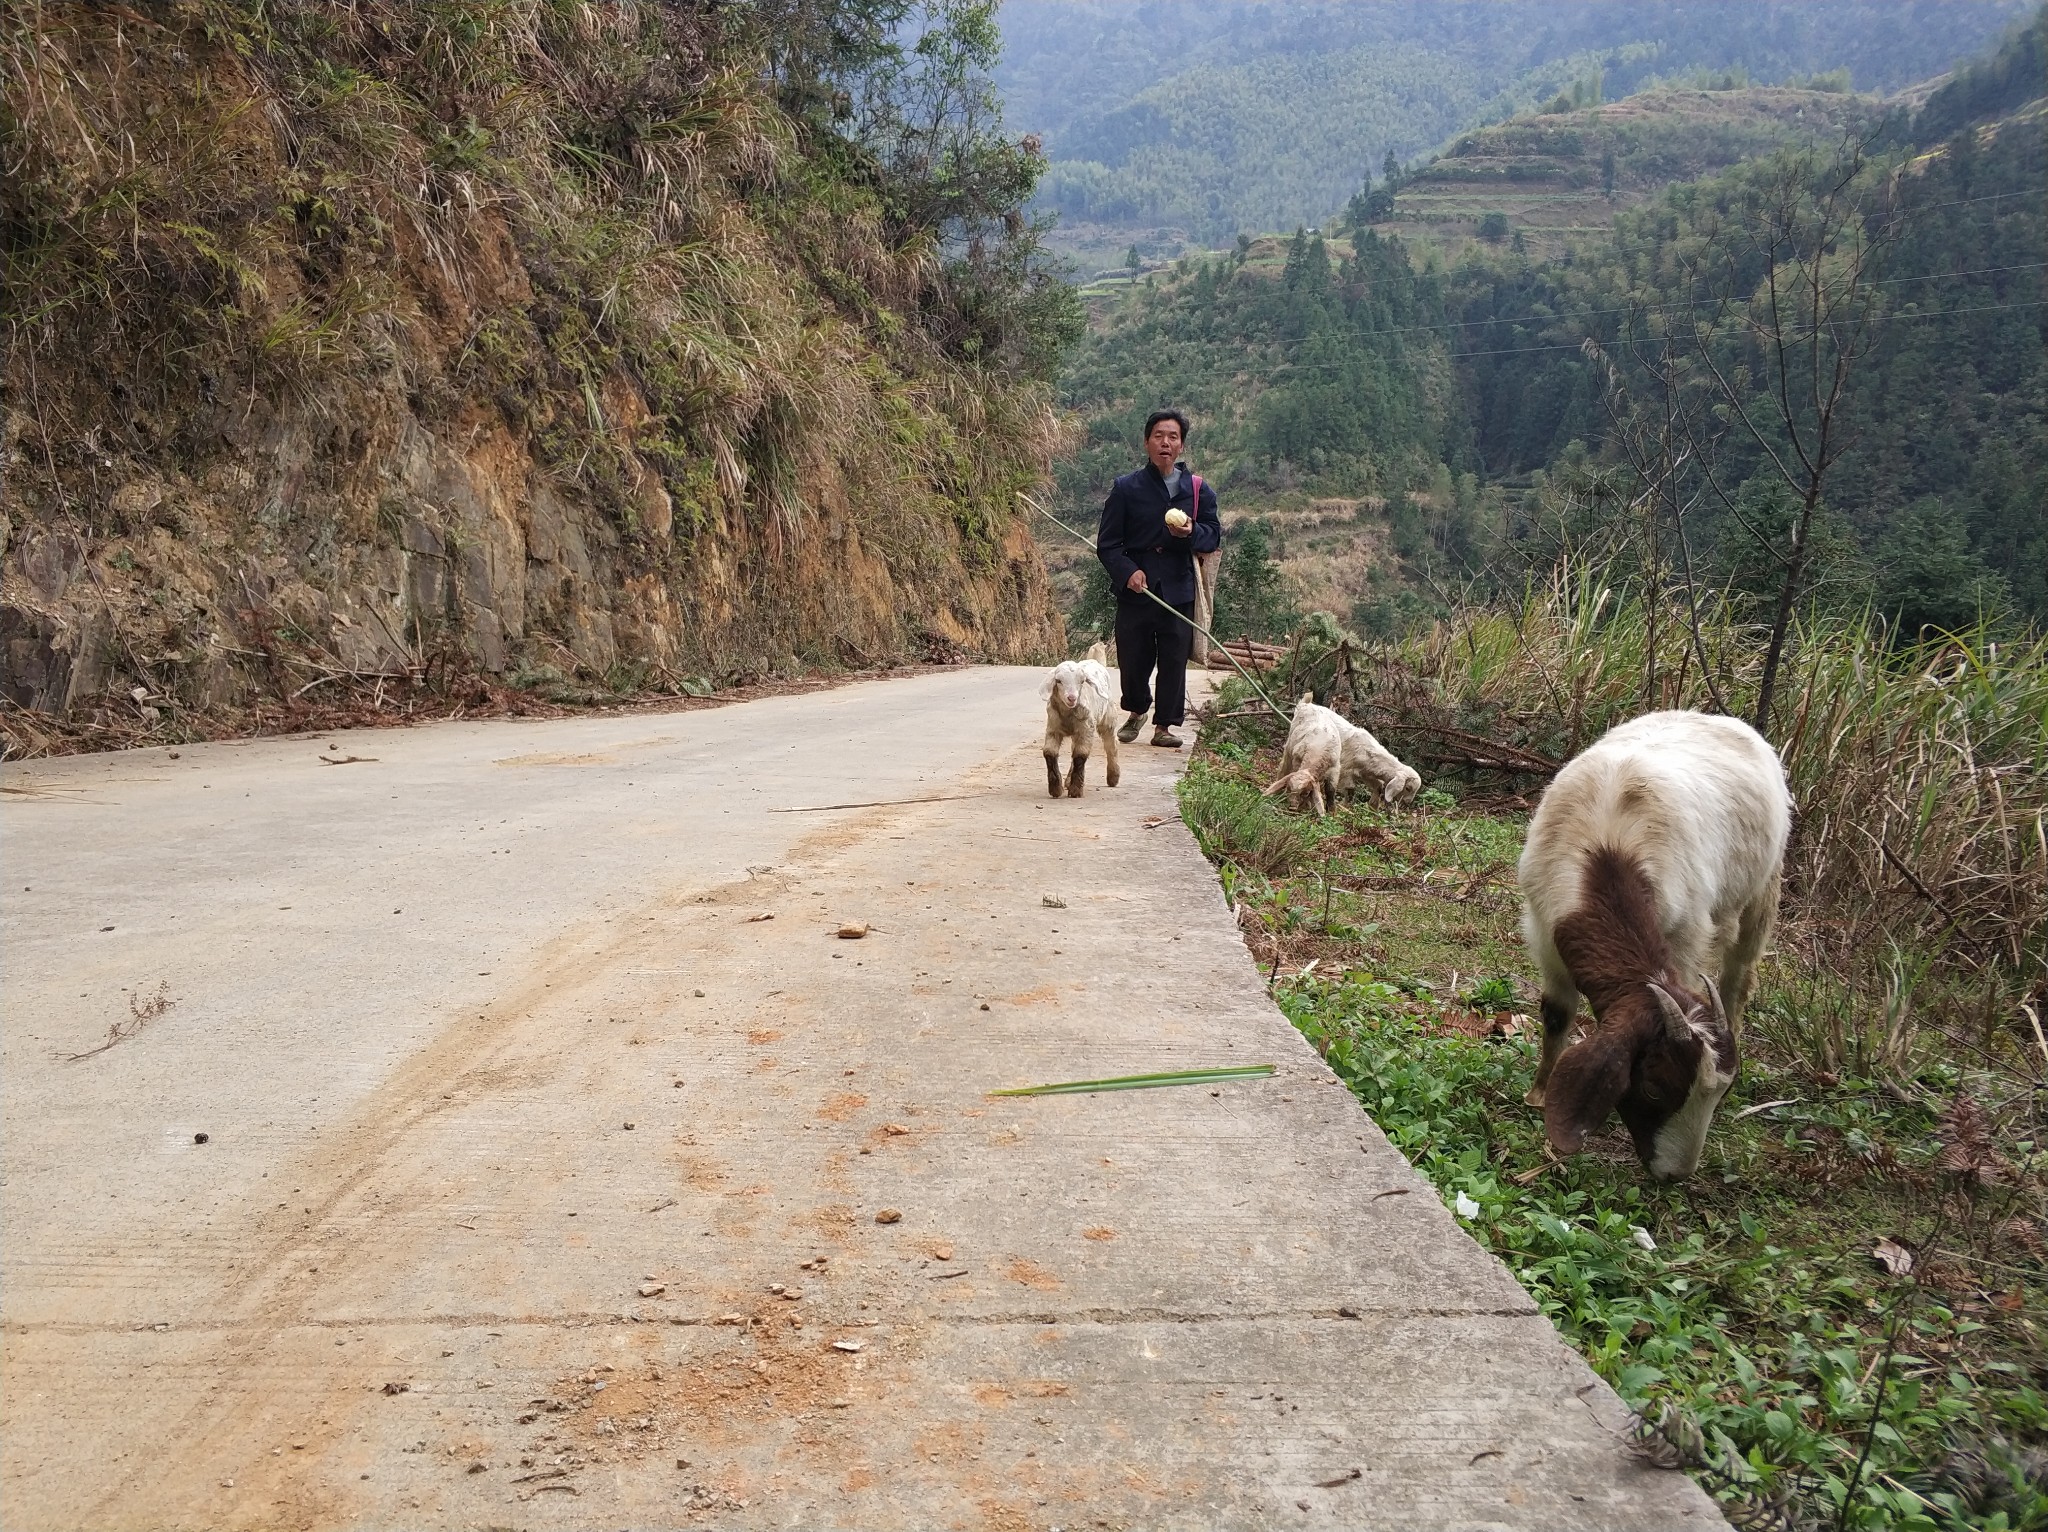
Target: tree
{"points": [[1251, 594], [1358, 211], [1093, 614], [1493, 228], [1930, 579], [902, 92], [1777, 307]]}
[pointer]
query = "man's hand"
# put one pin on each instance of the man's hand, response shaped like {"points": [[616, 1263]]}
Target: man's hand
{"points": [[1185, 531], [1136, 583]]}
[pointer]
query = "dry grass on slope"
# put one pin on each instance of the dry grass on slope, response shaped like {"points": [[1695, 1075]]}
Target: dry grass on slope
{"points": [[528, 339]]}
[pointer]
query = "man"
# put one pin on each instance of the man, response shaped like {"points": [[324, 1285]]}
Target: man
{"points": [[1152, 528]]}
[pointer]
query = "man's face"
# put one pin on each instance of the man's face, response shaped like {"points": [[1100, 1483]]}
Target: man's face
{"points": [[1163, 445]]}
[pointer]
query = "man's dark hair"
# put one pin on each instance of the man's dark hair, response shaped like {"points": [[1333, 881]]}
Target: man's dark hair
{"points": [[1156, 416]]}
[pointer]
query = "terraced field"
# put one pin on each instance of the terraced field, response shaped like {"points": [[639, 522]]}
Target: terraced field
{"points": [[1560, 176]]}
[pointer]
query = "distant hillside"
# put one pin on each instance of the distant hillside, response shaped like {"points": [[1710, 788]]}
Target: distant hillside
{"points": [[1401, 412], [1212, 120], [1549, 178]]}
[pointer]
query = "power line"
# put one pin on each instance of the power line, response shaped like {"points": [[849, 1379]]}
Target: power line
{"points": [[1459, 356], [1566, 317], [1460, 324]]}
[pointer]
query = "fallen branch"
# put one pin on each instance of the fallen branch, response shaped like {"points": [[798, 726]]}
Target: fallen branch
{"points": [[1765, 1106], [1513, 757], [141, 1012], [1242, 712], [878, 803], [1914, 878]]}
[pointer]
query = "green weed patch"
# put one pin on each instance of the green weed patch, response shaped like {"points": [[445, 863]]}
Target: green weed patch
{"points": [[1840, 1316]]}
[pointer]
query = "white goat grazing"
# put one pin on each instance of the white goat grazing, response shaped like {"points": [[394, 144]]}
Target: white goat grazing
{"points": [[1080, 705], [1367, 760], [1326, 754], [1651, 867]]}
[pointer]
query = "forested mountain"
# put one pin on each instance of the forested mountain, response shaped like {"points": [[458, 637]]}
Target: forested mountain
{"points": [[1455, 416], [348, 349], [1266, 113], [1944, 416]]}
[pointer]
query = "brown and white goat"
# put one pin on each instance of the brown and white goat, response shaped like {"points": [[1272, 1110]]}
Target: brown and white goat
{"points": [[1080, 705], [1649, 884]]}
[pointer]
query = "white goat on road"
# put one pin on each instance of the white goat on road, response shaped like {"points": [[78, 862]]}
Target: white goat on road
{"points": [[1650, 873], [1326, 754], [1080, 705]]}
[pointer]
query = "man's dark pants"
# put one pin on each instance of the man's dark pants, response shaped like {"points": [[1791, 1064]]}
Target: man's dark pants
{"points": [[1146, 636]]}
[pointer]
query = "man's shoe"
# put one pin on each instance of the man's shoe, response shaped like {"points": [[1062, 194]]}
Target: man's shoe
{"points": [[1165, 738], [1131, 726]]}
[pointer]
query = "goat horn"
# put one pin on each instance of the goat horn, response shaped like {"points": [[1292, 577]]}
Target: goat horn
{"points": [[1714, 996], [1675, 1024]]}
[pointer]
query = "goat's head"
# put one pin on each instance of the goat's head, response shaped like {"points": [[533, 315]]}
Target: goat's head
{"points": [[1663, 1057], [1403, 787], [1065, 686]]}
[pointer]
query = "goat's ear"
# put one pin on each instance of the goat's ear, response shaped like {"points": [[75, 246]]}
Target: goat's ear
{"points": [[1676, 1026], [1278, 785], [1096, 686], [1590, 1078], [1045, 689]]}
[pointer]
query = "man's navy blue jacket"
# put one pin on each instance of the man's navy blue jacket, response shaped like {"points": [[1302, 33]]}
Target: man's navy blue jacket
{"points": [[1133, 535]]}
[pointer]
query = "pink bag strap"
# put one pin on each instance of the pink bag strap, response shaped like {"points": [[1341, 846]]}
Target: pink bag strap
{"points": [[1197, 515]]}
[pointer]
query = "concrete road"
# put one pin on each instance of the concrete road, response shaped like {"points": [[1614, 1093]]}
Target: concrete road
{"points": [[560, 1167]]}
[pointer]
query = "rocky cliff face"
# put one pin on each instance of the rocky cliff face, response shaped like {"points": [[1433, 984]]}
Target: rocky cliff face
{"points": [[383, 546], [287, 417]]}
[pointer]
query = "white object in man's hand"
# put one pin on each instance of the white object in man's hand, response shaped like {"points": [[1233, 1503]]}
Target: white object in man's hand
{"points": [[1178, 524]]}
